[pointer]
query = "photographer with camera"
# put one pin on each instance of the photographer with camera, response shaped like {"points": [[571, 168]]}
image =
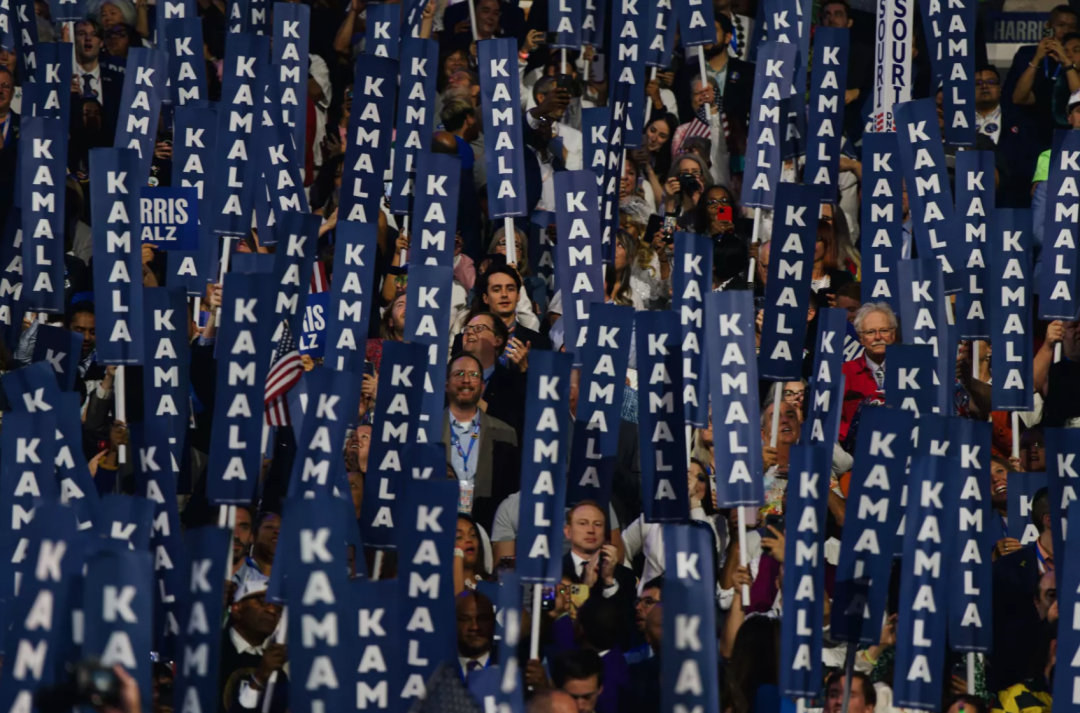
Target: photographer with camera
{"points": [[687, 180]]}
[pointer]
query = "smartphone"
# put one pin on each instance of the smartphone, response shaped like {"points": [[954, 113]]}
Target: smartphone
{"points": [[564, 81], [102, 445], [776, 521], [547, 599], [387, 189], [369, 368], [670, 223], [724, 214], [653, 227], [596, 68]]}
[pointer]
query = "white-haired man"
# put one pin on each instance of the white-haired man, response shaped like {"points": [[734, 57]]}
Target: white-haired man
{"points": [[875, 323]]}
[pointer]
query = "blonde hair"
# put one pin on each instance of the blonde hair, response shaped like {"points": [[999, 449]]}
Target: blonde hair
{"points": [[523, 253]]}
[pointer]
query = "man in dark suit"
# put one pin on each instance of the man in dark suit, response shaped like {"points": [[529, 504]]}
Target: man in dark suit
{"points": [[482, 450], [475, 632], [1016, 600], [486, 338], [501, 288], [593, 561], [1013, 132]]}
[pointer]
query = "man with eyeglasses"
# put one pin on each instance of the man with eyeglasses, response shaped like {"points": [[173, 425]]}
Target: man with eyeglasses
{"points": [[487, 338], [876, 324], [1014, 134], [651, 593], [481, 449]]}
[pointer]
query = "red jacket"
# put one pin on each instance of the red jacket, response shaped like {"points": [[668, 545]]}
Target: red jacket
{"points": [[859, 384]]}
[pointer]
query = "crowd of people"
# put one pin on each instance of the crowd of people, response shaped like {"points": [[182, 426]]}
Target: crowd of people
{"points": [[602, 625]]}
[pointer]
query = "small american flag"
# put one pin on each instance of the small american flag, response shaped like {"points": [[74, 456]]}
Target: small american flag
{"points": [[318, 278], [285, 370], [700, 125]]}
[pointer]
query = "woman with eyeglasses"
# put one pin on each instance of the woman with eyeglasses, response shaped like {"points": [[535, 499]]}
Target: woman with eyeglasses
{"points": [[687, 180], [716, 212]]}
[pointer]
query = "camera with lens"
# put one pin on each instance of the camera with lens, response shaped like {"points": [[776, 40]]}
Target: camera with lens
{"points": [[688, 183], [88, 684]]}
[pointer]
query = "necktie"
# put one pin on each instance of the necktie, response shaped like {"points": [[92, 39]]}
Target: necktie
{"points": [[584, 565], [472, 666], [879, 377], [87, 90]]}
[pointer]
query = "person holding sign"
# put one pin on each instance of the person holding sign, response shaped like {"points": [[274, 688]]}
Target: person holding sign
{"points": [[248, 656], [1016, 583]]}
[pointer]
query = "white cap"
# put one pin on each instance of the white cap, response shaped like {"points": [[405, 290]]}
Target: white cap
{"points": [[1074, 99], [250, 588]]}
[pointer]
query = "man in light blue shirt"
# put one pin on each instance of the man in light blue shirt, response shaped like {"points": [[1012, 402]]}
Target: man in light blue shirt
{"points": [[464, 386]]}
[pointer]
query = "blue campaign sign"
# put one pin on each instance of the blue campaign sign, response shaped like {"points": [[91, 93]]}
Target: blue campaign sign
{"points": [[170, 217], [313, 335], [1019, 27]]}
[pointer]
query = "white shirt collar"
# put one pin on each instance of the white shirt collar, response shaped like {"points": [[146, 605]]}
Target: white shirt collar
{"points": [[578, 559], [95, 72], [482, 659], [242, 646]]}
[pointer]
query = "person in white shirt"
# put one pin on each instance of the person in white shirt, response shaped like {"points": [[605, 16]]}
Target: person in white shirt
{"points": [[475, 632], [648, 537]]}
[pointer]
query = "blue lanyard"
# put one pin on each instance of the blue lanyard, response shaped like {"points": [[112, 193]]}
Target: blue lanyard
{"points": [[472, 442], [1046, 69], [1042, 560]]}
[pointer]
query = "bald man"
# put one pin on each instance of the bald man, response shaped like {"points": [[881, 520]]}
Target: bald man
{"points": [[475, 632]]}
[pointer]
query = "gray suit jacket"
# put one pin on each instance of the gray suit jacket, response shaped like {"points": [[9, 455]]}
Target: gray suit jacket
{"points": [[492, 431]]}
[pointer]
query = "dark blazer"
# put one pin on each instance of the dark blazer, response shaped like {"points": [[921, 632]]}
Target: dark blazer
{"points": [[498, 466], [531, 337], [645, 685], [493, 660], [1015, 619], [1019, 145], [504, 393], [623, 575], [623, 599]]}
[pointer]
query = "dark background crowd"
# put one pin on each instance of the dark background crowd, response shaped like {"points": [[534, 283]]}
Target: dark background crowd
{"points": [[602, 626]]}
